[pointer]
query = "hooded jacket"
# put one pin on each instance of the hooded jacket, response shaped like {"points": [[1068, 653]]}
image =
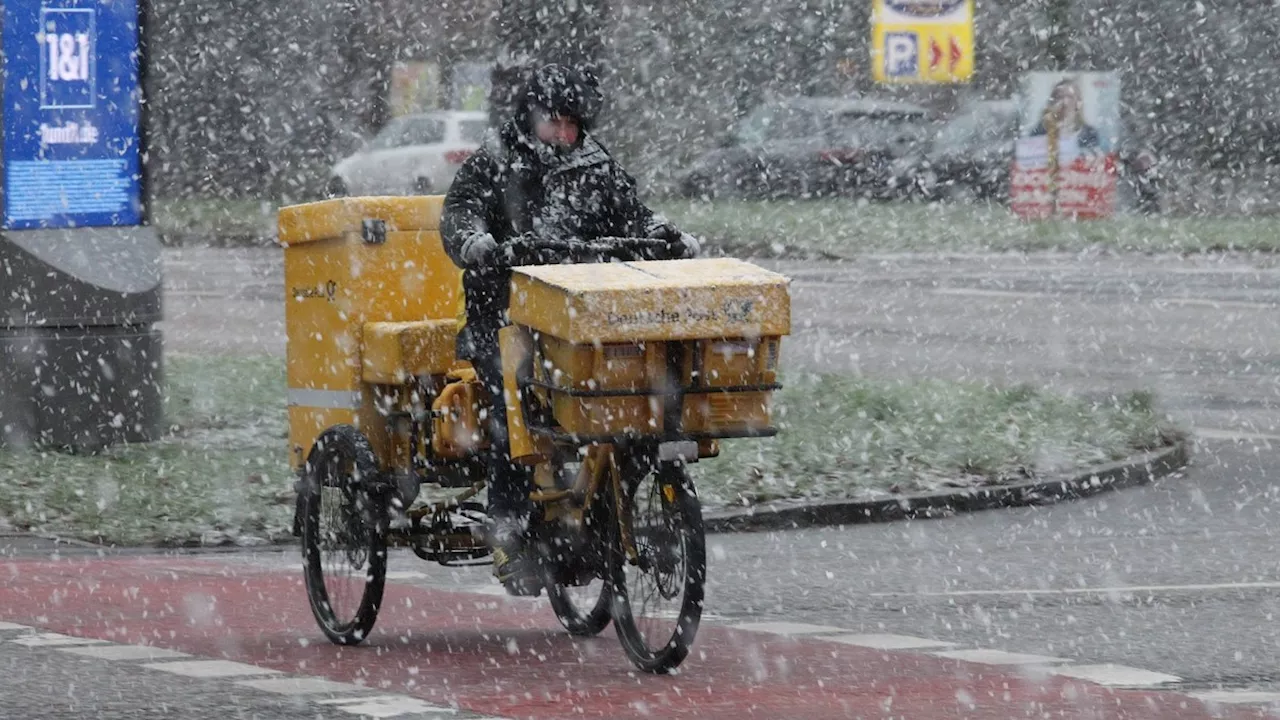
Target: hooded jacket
{"points": [[515, 185]]}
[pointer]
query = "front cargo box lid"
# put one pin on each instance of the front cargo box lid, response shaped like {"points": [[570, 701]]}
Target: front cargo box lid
{"points": [[655, 300], [298, 224]]}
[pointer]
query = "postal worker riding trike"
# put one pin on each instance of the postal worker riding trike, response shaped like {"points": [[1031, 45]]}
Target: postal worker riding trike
{"points": [[617, 377]]}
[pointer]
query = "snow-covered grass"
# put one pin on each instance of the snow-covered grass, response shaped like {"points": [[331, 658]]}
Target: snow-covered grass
{"points": [[835, 227], [221, 474], [845, 228], [214, 221], [848, 437]]}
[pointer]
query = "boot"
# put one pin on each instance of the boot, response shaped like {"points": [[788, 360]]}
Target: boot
{"points": [[514, 563]]}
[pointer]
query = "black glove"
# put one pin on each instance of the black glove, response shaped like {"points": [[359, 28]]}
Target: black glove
{"points": [[680, 245]]}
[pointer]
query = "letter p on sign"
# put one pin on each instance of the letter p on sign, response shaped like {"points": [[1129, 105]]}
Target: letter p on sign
{"points": [[901, 54]]}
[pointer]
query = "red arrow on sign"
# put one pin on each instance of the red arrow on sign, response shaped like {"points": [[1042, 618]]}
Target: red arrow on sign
{"points": [[956, 53], [935, 54]]}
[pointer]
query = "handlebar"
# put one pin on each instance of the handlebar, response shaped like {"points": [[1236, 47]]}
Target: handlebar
{"points": [[602, 245], [621, 248]]}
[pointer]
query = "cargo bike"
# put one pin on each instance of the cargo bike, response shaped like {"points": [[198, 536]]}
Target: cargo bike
{"points": [[617, 376]]}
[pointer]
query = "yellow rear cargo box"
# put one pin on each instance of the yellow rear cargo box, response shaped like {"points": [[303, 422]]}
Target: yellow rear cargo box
{"points": [[352, 264]]}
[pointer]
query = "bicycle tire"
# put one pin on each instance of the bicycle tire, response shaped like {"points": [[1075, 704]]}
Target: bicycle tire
{"points": [[664, 651], [343, 460]]}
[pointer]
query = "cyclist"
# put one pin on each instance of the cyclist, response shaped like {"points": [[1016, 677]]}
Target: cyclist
{"points": [[541, 176]]}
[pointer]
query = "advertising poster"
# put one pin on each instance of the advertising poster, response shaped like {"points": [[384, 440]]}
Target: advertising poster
{"points": [[415, 88], [922, 41], [71, 114], [1065, 158], [470, 85]]}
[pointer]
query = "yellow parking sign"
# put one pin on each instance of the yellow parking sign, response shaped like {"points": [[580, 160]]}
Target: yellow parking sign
{"points": [[922, 41]]}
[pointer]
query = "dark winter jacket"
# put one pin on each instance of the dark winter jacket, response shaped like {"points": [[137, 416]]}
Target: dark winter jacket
{"points": [[510, 188]]}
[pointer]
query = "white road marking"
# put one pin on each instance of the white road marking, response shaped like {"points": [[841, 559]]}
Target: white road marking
{"points": [[998, 657], [407, 575], [386, 706], [788, 628], [991, 294], [125, 652], [675, 615], [13, 626], [1214, 304], [889, 642], [1219, 434], [1238, 697], [494, 589], [211, 669], [1117, 675], [54, 640], [301, 686], [173, 292], [1129, 590]]}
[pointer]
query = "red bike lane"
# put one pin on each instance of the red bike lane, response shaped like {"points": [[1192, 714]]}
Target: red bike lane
{"points": [[508, 657]]}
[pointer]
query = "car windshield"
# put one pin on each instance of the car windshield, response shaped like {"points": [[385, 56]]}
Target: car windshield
{"points": [[881, 128], [423, 131], [778, 123], [472, 131], [409, 131], [977, 128]]}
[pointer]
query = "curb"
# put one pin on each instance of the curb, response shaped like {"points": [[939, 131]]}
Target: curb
{"points": [[183, 239], [1130, 472]]}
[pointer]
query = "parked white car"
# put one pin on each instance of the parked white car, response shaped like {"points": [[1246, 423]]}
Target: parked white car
{"points": [[413, 155]]}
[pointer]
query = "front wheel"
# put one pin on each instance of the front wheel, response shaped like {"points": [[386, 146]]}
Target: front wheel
{"points": [[658, 591], [574, 563], [343, 549]]}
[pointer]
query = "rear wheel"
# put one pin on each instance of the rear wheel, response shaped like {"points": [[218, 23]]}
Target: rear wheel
{"points": [[657, 596], [581, 603], [343, 548]]}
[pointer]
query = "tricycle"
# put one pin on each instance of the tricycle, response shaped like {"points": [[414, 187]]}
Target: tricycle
{"points": [[618, 376]]}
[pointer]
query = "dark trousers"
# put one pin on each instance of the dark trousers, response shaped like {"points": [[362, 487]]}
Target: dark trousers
{"points": [[509, 483]]}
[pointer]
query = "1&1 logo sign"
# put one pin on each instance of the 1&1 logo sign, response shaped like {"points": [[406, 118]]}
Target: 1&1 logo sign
{"points": [[67, 39]]}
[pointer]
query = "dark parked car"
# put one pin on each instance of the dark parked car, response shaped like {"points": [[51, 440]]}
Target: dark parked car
{"points": [[811, 146], [972, 157], [973, 153]]}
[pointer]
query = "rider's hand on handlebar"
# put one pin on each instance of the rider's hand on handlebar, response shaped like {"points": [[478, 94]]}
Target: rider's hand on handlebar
{"points": [[680, 245], [684, 247]]}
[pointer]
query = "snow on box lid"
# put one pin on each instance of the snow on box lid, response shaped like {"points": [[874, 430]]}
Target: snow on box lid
{"points": [[327, 219], [654, 300]]}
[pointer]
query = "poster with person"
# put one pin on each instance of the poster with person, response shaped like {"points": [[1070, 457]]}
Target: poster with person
{"points": [[1065, 156]]}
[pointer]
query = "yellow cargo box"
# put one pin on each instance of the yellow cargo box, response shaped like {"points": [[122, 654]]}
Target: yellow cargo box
{"points": [[353, 265], [656, 300]]}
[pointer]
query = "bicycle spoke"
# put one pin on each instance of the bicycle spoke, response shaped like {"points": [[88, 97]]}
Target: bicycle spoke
{"points": [[343, 546], [655, 584]]}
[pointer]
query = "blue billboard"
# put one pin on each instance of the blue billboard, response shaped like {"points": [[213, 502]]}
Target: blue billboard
{"points": [[72, 106]]}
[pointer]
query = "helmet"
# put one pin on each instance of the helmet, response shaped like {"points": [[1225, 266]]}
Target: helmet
{"points": [[564, 91]]}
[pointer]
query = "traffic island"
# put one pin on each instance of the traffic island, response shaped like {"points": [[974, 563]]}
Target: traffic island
{"points": [[220, 475]]}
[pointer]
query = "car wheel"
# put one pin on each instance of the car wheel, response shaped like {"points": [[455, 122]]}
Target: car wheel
{"points": [[958, 192], [422, 186], [698, 187], [336, 188]]}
